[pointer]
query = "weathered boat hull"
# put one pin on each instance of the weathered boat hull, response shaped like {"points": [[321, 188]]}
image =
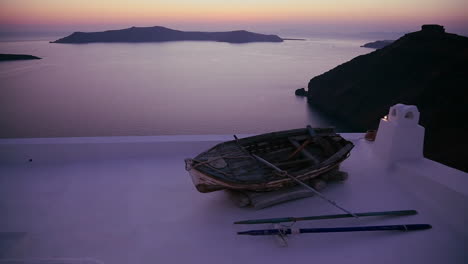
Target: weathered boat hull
{"points": [[205, 183], [230, 165]]}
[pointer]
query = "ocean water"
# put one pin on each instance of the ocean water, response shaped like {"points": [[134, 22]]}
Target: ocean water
{"points": [[122, 89]]}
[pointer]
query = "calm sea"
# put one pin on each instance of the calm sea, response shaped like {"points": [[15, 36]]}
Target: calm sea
{"points": [[163, 88]]}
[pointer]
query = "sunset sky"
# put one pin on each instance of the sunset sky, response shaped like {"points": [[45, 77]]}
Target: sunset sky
{"points": [[266, 15]]}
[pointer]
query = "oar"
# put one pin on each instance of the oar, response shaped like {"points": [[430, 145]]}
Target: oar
{"points": [[288, 231], [320, 217], [285, 173]]}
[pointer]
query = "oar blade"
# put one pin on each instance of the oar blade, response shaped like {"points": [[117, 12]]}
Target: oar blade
{"points": [[418, 227]]}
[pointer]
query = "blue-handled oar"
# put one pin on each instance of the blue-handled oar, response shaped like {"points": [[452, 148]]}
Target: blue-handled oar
{"points": [[320, 217], [288, 231]]}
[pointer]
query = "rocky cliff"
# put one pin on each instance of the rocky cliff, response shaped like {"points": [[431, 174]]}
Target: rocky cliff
{"points": [[428, 68]]}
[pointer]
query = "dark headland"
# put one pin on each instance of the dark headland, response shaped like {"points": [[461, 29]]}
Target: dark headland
{"points": [[162, 34], [427, 68], [12, 57], [377, 44]]}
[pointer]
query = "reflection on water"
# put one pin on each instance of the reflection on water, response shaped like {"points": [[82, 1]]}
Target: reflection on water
{"points": [[162, 88]]}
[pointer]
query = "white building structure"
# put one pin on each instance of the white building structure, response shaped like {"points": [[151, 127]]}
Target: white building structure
{"points": [[400, 137]]}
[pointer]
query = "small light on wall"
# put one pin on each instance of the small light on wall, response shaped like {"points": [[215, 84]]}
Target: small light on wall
{"points": [[385, 118]]}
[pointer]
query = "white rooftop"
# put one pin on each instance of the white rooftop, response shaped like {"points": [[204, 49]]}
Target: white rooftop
{"points": [[130, 200]]}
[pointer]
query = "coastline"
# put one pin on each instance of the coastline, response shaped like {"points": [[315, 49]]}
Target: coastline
{"points": [[16, 57]]}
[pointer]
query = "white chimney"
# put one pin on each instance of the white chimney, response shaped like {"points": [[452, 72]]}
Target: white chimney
{"points": [[399, 136]]}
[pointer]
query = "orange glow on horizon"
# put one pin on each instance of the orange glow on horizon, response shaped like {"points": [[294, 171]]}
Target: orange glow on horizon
{"points": [[146, 12]]}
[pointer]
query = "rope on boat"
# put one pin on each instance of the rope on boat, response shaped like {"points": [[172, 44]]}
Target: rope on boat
{"points": [[206, 163], [216, 158], [190, 165]]}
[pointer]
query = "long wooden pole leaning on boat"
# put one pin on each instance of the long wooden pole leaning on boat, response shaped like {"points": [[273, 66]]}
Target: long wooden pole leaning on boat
{"points": [[285, 173]]}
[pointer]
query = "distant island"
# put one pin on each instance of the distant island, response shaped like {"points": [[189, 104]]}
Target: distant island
{"points": [[163, 34], [427, 68], [377, 44], [294, 39], [12, 57]]}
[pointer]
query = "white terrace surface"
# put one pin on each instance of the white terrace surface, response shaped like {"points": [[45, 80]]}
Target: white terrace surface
{"points": [[130, 200]]}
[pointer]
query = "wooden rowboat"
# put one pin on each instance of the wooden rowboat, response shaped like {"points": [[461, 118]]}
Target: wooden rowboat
{"points": [[304, 153]]}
